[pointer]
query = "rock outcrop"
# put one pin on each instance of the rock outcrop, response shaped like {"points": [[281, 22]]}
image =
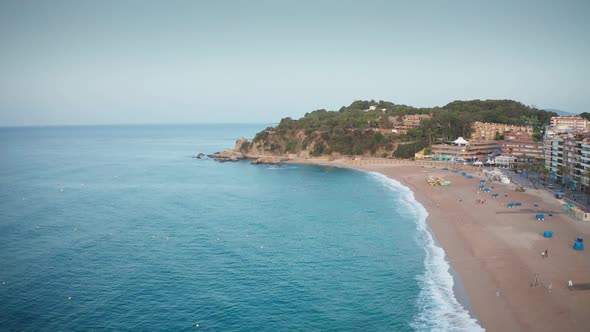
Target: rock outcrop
{"points": [[269, 161], [233, 154]]}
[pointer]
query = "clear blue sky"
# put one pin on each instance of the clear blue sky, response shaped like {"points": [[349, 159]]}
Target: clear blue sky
{"points": [[102, 62]]}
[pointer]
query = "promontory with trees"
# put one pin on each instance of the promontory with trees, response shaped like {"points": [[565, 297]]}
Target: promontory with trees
{"points": [[368, 128]]}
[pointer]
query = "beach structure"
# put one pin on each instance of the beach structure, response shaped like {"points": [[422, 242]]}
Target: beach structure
{"points": [[540, 216], [495, 195], [496, 175], [579, 244], [437, 181], [548, 234]]}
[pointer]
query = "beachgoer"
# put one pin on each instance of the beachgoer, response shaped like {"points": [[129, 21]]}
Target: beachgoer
{"points": [[546, 253]]}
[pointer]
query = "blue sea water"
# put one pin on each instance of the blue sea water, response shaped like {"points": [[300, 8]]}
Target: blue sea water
{"points": [[118, 228]]}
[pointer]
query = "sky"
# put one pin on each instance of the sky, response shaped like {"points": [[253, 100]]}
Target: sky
{"points": [[123, 62]]}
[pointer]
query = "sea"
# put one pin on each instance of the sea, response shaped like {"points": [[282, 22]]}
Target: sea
{"points": [[119, 228]]}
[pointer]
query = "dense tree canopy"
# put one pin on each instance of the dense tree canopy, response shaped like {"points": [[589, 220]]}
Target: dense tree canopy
{"points": [[365, 127]]}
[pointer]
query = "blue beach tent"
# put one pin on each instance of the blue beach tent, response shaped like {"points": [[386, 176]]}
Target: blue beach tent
{"points": [[540, 216], [548, 234], [495, 195], [482, 181], [517, 204], [510, 205], [481, 187], [445, 169], [470, 176], [486, 190], [463, 173], [579, 244], [456, 171]]}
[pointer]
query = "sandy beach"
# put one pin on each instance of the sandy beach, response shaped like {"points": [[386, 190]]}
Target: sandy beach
{"points": [[496, 249]]}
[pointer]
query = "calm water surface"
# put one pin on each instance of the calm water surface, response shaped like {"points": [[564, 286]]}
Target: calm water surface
{"points": [[118, 228]]}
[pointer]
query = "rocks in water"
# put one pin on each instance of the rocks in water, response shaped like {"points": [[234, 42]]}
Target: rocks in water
{"points": [[200, 156], [228, 155], [269, 161]]}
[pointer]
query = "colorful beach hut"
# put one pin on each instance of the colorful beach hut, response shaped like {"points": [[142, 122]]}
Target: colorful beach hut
{"points": [[548, 234], [540, 216], [579, 244]]}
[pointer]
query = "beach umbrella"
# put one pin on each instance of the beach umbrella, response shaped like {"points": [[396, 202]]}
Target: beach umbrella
{"points": [[579, 244]]}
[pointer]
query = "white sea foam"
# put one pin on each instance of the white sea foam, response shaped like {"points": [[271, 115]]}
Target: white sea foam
{"points": [[439, 309]]}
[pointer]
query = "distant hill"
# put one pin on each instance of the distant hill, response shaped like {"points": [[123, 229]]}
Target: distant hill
{"points": [[367, 128], [560, 112]]}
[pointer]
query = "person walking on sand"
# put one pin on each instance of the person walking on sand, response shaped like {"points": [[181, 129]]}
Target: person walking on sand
{"points": [[546, 253]]}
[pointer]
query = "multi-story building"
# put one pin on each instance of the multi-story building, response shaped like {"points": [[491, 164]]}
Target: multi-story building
{"points": [[488, 130], [574, 124], [409, 121], [525, 151], [553, 147], [568, 156], [518, 136], [461, 149], [413, 120]]}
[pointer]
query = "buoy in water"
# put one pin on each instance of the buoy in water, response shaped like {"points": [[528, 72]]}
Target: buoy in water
{"points": [[69, 298]]}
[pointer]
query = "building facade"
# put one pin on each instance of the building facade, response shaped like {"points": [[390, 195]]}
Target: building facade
{"points": [[525, 151], [574, 124], [409, 121], [463, 150], [488, 130]]}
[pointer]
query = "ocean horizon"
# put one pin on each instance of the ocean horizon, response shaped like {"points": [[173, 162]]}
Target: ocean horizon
{"points": [[117, 227]]}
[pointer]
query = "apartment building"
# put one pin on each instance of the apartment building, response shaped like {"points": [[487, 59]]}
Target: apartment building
{"points": [[461, 149], [488, 130], [573, 124]]}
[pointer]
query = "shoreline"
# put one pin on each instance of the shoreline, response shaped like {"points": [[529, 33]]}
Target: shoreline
{"points": [[494, 251]]}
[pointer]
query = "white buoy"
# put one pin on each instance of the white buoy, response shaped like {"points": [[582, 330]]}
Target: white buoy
{"points": [[69, 298], [197, 325]]}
